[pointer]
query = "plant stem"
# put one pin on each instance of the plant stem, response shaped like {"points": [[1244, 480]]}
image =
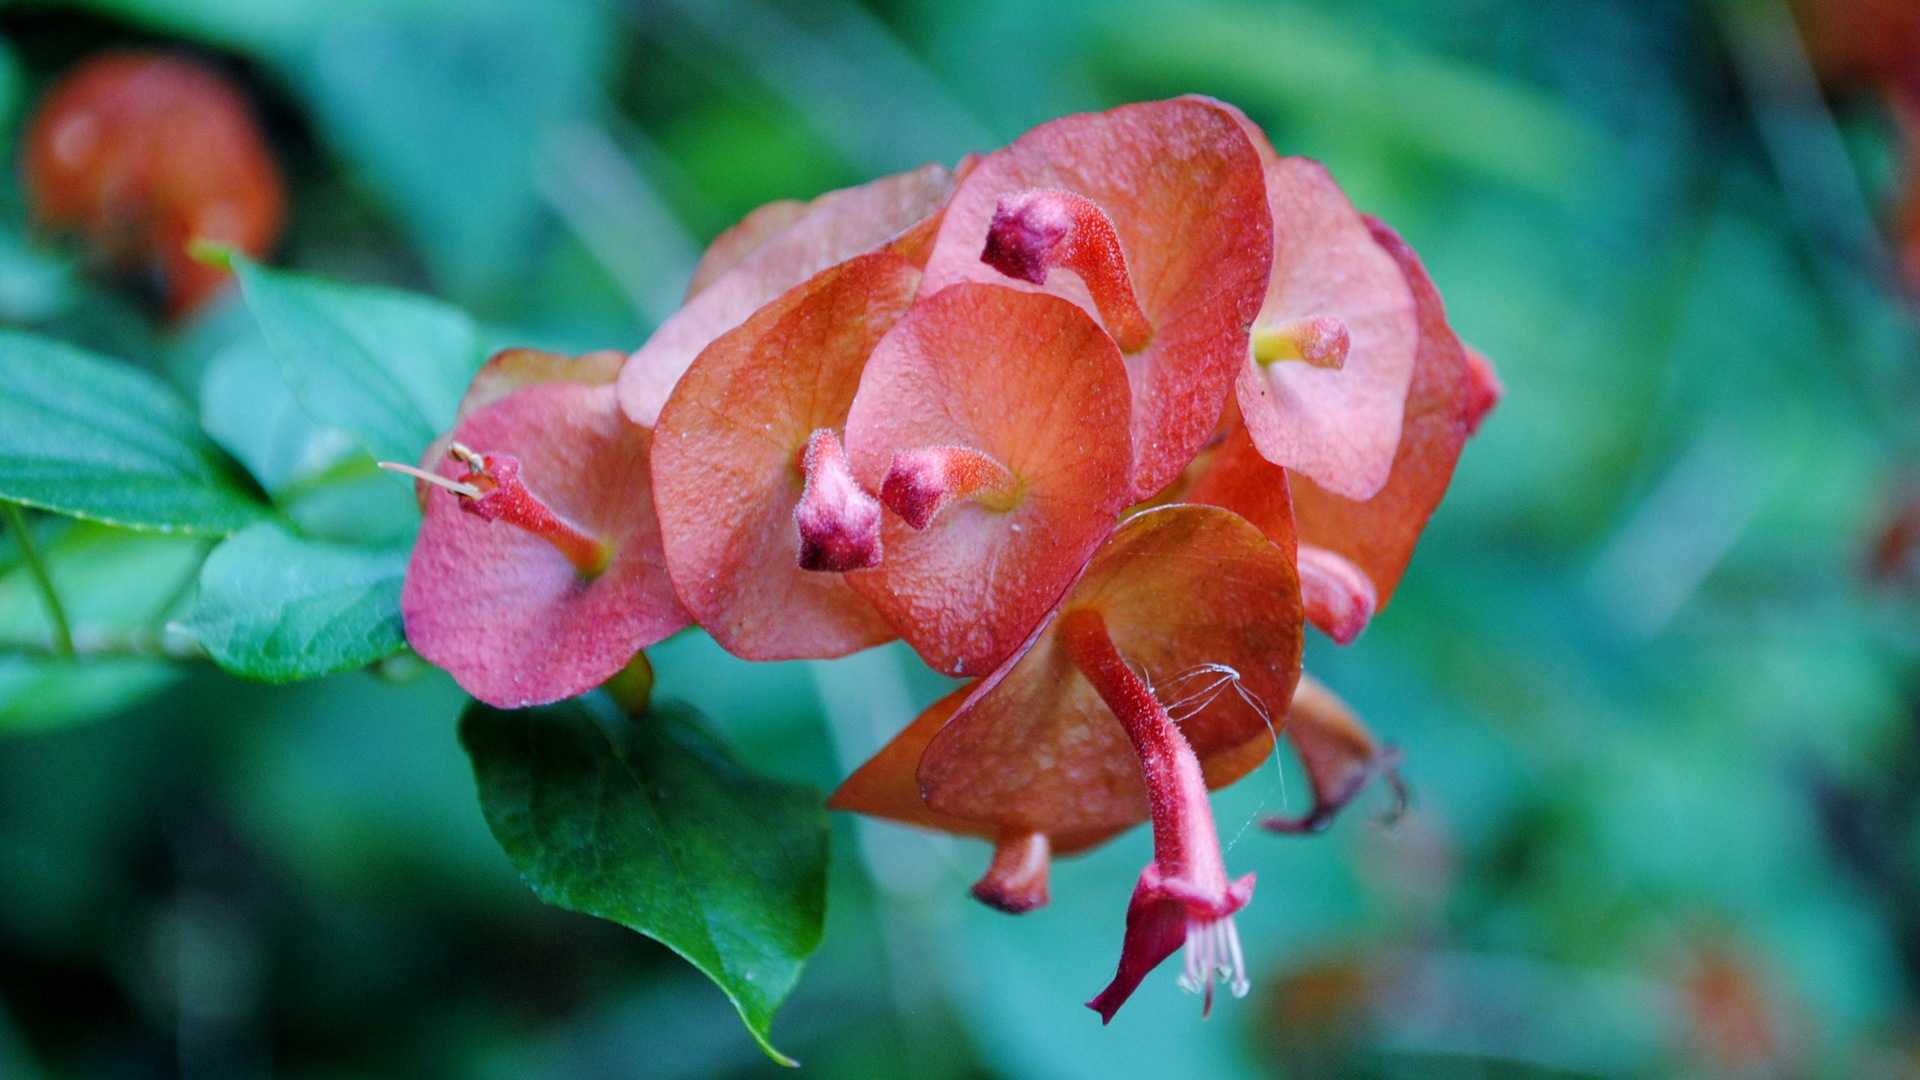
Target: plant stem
{"points": [[62, 632], [146, 643]]}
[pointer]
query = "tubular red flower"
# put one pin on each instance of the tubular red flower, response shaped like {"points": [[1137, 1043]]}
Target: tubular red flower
{"points": [[920, 482], [839, 522], [1339, 596], [1183, 896], [1016, 879], [503, 497], [1033, 232]]}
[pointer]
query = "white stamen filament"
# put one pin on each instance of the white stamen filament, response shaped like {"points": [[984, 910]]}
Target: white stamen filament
{"points": [[1213, 951], [465, 491]]}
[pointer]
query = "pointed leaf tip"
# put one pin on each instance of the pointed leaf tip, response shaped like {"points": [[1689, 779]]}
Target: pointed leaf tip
{"points": [[653, 824]]}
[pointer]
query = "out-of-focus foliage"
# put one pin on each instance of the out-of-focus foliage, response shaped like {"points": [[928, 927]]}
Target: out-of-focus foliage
{"points": [[1661, 733]]}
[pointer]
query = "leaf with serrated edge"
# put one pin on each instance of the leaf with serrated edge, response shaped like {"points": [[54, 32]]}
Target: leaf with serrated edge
{"points": [[652, 824], [94, 438], [277, 607], [385, 366]]}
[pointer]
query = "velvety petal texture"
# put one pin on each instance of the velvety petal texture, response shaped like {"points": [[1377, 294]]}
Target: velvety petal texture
{"points": [[1338, 425], [727, 463], [1205, 608], [501, 609], [1183, 188], [1031, 382], [835, 227]]}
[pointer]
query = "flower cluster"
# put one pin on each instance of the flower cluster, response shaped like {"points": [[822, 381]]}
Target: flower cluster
{"points": [[1098, 421]]}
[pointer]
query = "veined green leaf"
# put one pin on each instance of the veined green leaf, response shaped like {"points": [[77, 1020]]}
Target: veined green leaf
{"points": [[93, 438], [652, 823], [387, 367], [277, 607]]}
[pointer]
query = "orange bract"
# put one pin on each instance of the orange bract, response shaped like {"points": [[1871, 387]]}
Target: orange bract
{"points": [[726, 463], [1187, 593], [887, 787], [145, 153], [504, 611], [1029, 381], [1182, 186], [764, 262]]}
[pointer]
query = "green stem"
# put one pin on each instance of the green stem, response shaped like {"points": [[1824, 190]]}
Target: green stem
{"points": [[151, 644], [62, 632]]}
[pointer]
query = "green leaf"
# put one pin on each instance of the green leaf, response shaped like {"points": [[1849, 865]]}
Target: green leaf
{"points": [[43, 693], [94, 438], [115, 585], [117, 588], [652, 823], [277, 607], [386, 367], [246, 407]]}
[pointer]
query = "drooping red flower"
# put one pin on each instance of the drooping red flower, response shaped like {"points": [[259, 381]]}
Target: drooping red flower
{"points": [[538, 572], [1156, 679], [772, 251], [1341, 758], [996, 421], [145, 153], [731, 464], [1159, 212]]}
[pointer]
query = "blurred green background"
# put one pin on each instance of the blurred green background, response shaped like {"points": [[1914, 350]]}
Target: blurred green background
{"points": [[1661, 729]]}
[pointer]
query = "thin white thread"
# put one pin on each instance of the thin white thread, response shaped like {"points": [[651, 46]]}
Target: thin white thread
{"points": [[1225, 676]]}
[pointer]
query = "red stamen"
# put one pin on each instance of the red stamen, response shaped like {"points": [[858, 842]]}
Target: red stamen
{"points": [[1016, 880], [920, 483], [1036, 231], [839, 522], [1322, 342], [493, 491]]}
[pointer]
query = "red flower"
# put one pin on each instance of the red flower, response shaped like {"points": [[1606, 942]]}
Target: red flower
{"points": [[538, 572], [1159, 210], [1189, 599], [144, 154], [747, 438], [772, 250], [848, 448]]}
